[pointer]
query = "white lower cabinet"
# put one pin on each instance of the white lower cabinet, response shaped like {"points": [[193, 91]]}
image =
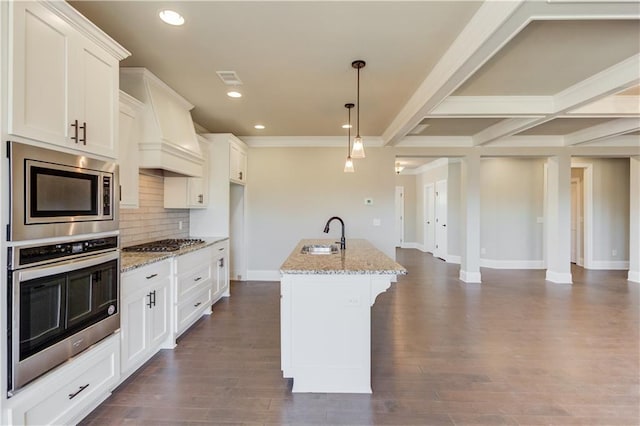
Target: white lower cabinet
{"points": [[193, 287], [70, 392], [221, 271], [145, 307]]}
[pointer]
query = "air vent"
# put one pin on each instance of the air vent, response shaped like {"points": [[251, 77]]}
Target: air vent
{"points": [[230, 78]]}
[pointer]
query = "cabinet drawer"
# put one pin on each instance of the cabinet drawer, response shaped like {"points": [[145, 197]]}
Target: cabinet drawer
{"points": [[191, 282], [67, 394], [193, 260], [137, 278], [192, 309]]}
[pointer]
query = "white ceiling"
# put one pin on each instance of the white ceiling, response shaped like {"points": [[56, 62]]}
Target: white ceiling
{"points": [[480, 71]]}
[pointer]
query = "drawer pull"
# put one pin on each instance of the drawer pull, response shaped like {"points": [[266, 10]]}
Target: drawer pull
{"points": [[197, 304], [151, 276], [73, 395], [221, 248], [197, 279]]}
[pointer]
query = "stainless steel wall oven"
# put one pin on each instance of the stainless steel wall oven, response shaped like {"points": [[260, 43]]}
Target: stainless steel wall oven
{"points": [[55, 194], [62, 298]]}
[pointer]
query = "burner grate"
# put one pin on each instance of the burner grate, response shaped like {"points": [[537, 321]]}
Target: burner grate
{"points": [[171, 244]]}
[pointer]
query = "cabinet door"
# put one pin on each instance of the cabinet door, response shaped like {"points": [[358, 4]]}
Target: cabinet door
{"points": [[96, 98], [196, 193], [128, 160], [39, 86], [159, 313], [237, 164], [134, 329]]}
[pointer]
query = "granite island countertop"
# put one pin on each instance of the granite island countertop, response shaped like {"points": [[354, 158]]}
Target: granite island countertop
{"points": [[360, 257], [134, 260]]}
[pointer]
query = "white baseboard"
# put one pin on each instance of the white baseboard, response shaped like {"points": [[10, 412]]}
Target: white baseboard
{"points": [[619, 265], [257, 275], [559, 277], [470, 277], [453, 258], [634, 276], [512, 264], [416, 246]]}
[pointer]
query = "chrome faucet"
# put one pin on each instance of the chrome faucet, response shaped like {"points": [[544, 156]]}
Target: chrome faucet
{"points": [[342, 240]]}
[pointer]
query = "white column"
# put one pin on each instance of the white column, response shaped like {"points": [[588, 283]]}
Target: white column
{"points": [[558, 219], [634, 220], [470, 218]]}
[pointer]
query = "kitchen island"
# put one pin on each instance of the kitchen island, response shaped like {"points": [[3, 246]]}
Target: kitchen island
{"points": [[325, 314]]}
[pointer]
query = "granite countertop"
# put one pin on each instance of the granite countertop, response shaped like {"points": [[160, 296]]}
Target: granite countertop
{"points": [[360, 257], [133, 260]]}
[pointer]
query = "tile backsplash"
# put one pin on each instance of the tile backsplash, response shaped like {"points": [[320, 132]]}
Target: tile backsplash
{"points": [[151, 221]]}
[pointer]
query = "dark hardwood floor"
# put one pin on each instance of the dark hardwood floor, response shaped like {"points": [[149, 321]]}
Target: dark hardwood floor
{"points": [[515, 350]]}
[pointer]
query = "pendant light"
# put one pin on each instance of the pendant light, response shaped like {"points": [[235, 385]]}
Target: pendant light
{"points": [[348, 165], [358, 146]]}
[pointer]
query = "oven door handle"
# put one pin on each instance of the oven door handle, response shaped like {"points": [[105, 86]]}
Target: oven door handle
{"points": [[65, 266]]}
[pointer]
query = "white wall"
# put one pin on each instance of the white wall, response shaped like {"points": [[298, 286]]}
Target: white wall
{"points": [[454, 206], [512, 199], [408, 182], [293, 191], [610, 210], [438, 170]]}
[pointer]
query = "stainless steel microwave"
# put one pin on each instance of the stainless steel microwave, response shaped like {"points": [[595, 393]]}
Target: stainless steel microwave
{"points": [[56, 194]]}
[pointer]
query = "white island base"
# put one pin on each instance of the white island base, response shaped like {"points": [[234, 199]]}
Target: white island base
{"points": [[326, 330]]}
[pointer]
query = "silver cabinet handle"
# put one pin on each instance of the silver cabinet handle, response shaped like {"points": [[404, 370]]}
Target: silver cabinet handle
{"points": [[73, 395]]}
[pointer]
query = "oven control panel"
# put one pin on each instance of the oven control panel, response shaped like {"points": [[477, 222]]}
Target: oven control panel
{"points": [[45, 253]]}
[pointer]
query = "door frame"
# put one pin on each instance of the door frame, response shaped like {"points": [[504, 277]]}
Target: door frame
{"points": [[587, 212]]}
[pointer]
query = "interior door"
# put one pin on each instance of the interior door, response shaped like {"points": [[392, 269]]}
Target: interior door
{"points": [[441, 219], [399, 215], [429, 218]]}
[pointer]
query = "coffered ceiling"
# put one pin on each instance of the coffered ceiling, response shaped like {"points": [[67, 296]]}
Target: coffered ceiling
{"points": [[479, 72]]}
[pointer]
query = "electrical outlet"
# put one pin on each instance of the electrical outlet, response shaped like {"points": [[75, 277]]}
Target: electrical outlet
{"points": [[179, 225], [614, 252]]}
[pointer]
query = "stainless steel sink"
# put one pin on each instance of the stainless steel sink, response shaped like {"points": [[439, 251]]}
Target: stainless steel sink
{"points": [[320, 249]]}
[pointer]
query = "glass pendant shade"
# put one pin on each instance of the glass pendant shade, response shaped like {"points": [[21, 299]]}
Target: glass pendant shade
{"points": [[348, 166], [358, 148]]}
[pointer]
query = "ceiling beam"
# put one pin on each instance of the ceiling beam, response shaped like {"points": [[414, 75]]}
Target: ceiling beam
{"points": [[487, 31], [602, 131], [493, 106]]}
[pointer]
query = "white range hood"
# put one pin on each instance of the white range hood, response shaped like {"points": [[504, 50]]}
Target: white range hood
{"points": [[168, 139]]}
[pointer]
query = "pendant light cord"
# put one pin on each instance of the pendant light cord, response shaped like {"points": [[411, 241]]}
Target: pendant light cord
{"points": [[358, 101], [349, 134]]}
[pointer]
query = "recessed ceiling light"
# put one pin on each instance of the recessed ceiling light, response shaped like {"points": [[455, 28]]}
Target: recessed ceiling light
{"points": [[259, 126], [234, 94], [347, 126], [171, 17]]}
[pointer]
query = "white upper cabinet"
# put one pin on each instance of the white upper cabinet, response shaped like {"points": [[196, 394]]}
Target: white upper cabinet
{"points": [[237, 161], [63, 87], [128, 136], [189, 192]]}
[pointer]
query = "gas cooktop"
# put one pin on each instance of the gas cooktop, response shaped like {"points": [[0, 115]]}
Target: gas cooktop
{"points": [[172, 244]]}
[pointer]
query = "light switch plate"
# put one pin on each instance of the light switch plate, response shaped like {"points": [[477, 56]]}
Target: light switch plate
{"points": [[376, 222]]}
